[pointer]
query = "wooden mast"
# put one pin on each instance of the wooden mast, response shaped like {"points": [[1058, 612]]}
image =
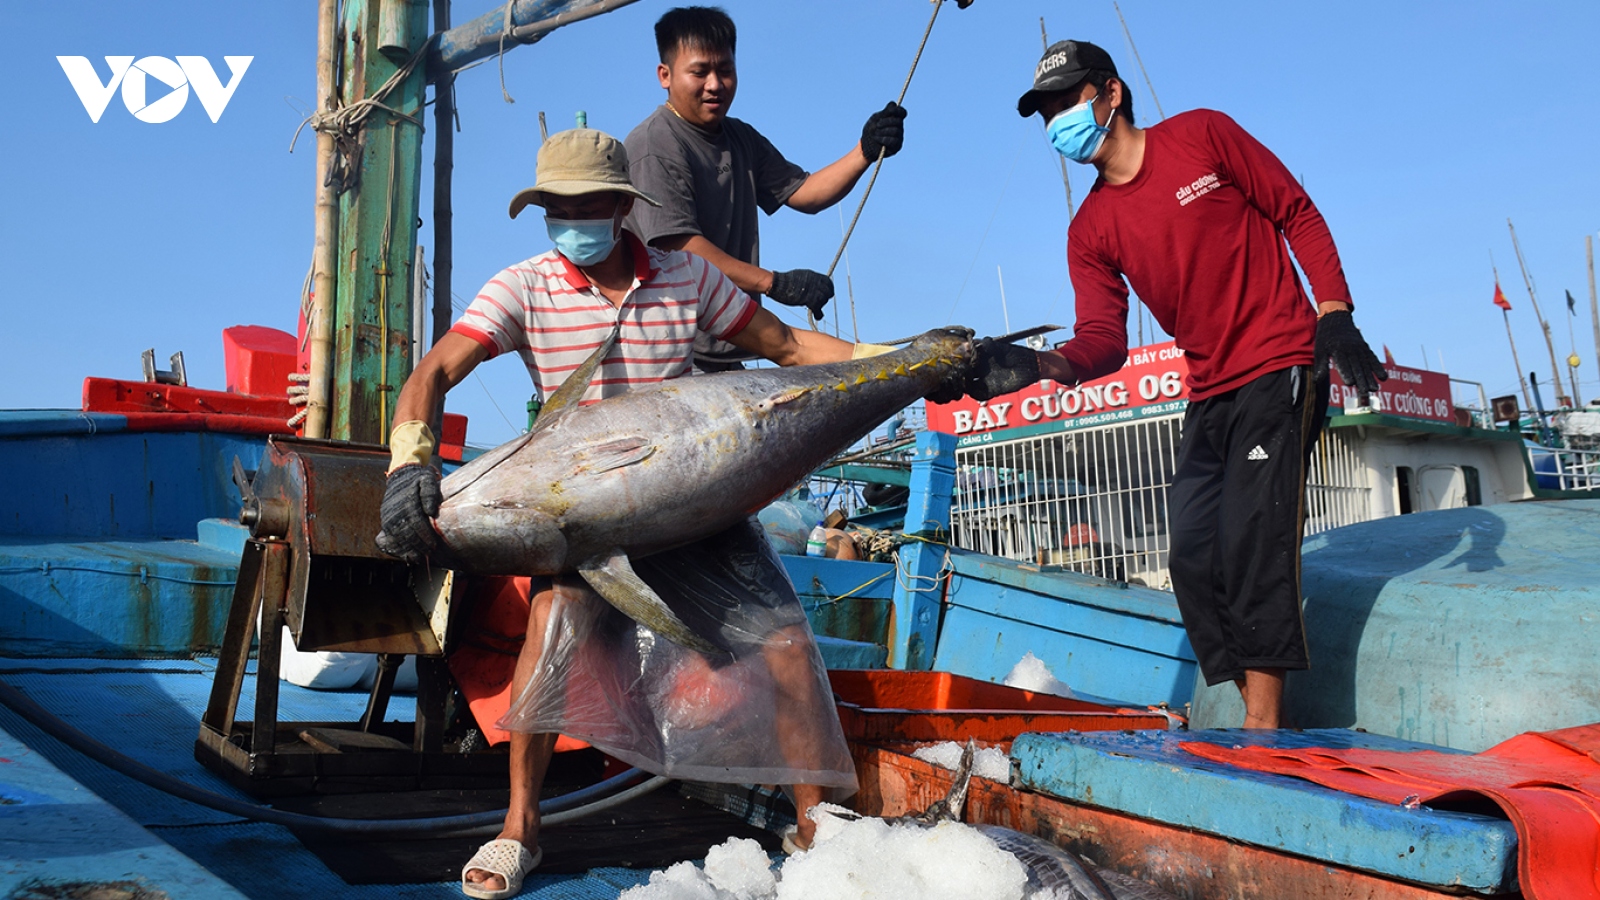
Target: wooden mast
{"points": [[1555, 368], [444, 141]]}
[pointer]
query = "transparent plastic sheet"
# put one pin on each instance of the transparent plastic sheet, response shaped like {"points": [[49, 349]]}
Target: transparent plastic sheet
{"points": [[761, 714]]}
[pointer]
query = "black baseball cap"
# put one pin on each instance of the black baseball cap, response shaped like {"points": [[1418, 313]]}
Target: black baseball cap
{"points": [[1065, 64]]}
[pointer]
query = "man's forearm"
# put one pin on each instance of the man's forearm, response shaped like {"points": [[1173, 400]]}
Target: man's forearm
{"points": [[828, 185], [750, 278]]}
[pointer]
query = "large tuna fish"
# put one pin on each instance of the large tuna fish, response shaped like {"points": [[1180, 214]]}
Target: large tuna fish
{"points": [[664, 465]]}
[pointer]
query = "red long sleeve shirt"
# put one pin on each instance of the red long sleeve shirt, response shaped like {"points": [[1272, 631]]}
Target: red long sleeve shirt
{"points": [[1199, 234]]}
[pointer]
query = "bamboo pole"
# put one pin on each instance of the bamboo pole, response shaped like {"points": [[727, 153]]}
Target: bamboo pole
{"points": [[1549, 343], [1594, 305], [319, 397], [444, 143], [1522, 380]]}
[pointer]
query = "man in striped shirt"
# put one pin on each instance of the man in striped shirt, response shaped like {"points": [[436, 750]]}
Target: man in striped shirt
{"points": [[554, 310]]}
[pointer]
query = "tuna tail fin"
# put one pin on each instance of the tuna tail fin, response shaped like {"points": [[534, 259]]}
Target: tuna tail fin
{"points": [[614, 579], [572, 390], [956, 800]]}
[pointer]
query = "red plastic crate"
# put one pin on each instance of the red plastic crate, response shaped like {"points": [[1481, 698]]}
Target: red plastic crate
{"points": [[892, 705]]}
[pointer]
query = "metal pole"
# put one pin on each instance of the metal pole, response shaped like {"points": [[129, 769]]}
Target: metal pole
{"points": [[878, 165], [1044, 38], [1555, 368], [1147, 83], [444, 147], [319, 397]]}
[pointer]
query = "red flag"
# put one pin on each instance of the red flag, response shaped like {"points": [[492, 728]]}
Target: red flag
{"points": [[1500, 297], [1388, 358]]}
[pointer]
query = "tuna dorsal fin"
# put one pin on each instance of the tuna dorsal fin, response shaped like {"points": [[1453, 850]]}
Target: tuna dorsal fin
{"points": [[613, 578], [571, 391]]}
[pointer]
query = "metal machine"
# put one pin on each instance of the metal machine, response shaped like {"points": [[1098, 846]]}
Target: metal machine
{"points": [[310, 564]]}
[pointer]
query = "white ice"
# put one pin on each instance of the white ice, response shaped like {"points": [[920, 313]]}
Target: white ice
{"points": [[864, 859], [988, 762], [1031, 674]]}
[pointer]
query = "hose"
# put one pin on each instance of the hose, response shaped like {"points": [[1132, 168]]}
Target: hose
{"points": [[565, 808]]}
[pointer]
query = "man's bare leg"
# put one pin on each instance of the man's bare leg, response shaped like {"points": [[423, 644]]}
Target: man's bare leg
{"points": [[1262, 690], [790, 665], [530, 753]]}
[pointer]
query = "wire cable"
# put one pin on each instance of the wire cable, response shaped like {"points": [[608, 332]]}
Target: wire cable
{"points": [[554, 811]]}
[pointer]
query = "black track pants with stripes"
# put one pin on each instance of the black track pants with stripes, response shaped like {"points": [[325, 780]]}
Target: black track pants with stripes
{"points": [[1238, 502]]}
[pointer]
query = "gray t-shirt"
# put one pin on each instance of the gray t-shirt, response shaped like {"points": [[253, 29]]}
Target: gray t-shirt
{"points": [[708, 184]]}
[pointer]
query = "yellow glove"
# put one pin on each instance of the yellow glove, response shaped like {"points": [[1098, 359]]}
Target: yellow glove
{"points": [[862, 351], [410, 442]]}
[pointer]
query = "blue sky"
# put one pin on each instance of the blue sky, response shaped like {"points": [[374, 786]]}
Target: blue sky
{"points": [[1419, 128]]}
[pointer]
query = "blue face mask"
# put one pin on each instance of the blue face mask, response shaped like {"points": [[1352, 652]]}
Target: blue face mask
{"points": [[584, 241], [1075, 134]]}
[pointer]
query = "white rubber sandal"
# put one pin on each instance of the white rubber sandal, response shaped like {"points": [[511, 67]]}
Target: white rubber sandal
{"points": [[506, 858], [791, 841]]}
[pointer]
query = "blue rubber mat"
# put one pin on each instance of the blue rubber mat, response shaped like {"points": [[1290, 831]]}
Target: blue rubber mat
{"points": [[150, 710]]}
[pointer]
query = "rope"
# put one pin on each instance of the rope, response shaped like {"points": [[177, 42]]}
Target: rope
{"points": [[853, 591], [347, 122], [878, 165], [500, 57]]}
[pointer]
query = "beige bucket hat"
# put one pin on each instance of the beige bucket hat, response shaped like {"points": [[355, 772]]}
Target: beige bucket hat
{"points": [[580, 161]]}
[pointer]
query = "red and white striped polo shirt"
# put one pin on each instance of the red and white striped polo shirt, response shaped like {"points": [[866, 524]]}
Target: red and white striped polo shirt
{"points": [[546, 310]]}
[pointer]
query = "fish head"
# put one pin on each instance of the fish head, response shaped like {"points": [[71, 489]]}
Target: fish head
{"points": [[951, 350], [954, 343]]}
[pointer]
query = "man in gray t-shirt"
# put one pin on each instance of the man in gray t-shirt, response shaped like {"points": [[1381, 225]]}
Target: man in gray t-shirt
{"points": [[711, 172]]}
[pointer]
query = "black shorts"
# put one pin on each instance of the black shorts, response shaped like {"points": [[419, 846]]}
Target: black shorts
{"points": [[1238, 507]]}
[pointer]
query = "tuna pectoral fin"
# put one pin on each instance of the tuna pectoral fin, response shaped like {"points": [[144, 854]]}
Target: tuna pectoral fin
{"points": [[614, 579]]}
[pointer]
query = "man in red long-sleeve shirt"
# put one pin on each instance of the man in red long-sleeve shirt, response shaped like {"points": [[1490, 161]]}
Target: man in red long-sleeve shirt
{"points": [[1193, 213]]}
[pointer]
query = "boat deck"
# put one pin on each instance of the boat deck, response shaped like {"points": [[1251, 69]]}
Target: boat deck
{"points": [[66, 820]]}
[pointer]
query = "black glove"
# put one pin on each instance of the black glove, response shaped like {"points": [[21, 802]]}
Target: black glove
{"points": [[802, 287], [1001, 368], [885, 130], [1339, 342], [410, 502]]}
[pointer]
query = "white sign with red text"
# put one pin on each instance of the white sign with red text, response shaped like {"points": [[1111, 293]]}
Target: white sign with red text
{"points": [[1150, 382], [1410, 393]]}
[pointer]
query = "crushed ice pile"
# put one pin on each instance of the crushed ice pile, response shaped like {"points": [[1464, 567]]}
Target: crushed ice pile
{"points": [[1031, 674], [862, 859], [989, 762]]}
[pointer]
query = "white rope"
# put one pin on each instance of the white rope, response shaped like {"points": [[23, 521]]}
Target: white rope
{"points": [[505, 32]]}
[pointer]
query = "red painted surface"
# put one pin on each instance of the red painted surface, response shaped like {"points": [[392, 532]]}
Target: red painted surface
{"points": [[1192, 865], [169, 407], [888, 704], [1547, 783], [257, 360], [142, 398]]}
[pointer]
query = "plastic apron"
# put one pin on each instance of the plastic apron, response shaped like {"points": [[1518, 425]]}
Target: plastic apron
{"points": [[763, 713]]}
